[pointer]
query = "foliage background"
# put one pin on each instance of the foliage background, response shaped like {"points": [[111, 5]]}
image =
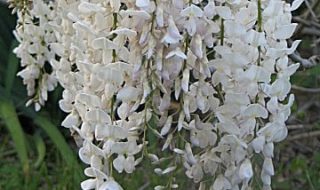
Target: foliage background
{"points": [[37, 153]]}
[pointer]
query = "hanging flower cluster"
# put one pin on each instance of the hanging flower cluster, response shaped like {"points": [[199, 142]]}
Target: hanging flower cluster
{"points": [[212, 75]]}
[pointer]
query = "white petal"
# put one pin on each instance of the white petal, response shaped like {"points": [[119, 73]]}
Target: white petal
{"points": [[103, 43], [86, 7], [71, 120], [118, 163], [268, 166], [140, 14], [258, 144], [169, 169], [177, 88], [255, 110], [180, 120], [285, 31], [124, 31], [98, 115], [89, 100], [110, 131], [224, 12], [89, 184], [142, 3], [173, 35], [159, 187], [129, 164], [245, 171], [177, 52], [192, 11], [268, 150], [110, 185], [185, 80], [209, 10], [229, 127], [196, 46], [167, 126], [221, 183], [95, 162], [115, 5], [296, 4], [57, 48], [168, 141], [265, 178], [280, 88], [112, 75], [293, 47], [128, 94]]}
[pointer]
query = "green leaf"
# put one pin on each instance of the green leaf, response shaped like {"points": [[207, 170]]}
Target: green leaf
{"points": [[58, 140], [10, 118], [12, 68], [3, 51], [41, 149]]}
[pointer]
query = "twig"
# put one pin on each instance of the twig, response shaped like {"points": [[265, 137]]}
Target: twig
{"points": [[299, 126], [310, 31], [311, 7], [306, 63], [305, 22], [304, 135], [303, 89], [144, 186], [301, 109], [294, 127]]}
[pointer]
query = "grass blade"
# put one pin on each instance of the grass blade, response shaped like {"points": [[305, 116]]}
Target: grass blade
{"points": [[41, 149], [12, 68], [10, 118], [58, 140]]}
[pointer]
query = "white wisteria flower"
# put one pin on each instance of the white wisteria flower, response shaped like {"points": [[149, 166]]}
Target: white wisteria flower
{"points": [[210, 79]]}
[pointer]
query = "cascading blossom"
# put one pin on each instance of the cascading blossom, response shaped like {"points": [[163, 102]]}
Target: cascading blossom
{"points": [[213, 75]]}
